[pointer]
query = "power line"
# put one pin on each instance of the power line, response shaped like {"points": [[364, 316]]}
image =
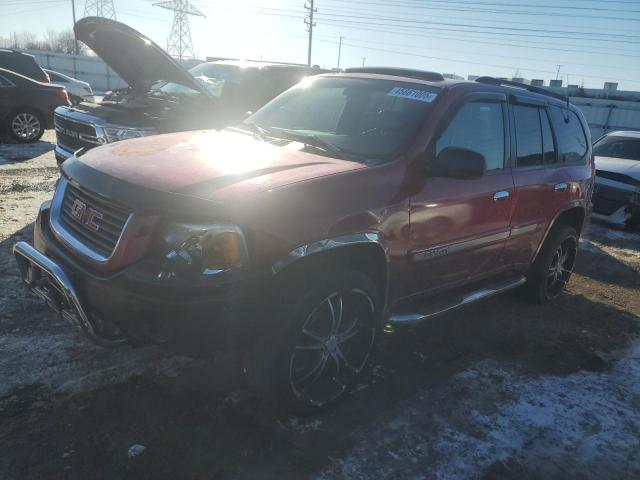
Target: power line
{"points": [[493, 11]]}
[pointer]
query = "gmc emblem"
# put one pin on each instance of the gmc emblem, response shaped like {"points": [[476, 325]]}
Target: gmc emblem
{"points": [[86, 215]]}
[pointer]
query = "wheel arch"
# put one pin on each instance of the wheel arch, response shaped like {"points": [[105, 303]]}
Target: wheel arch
{"points": [[365, 252], [573, 215]]}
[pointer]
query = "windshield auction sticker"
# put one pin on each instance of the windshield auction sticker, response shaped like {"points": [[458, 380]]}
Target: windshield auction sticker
{"points": [[413, 94]]}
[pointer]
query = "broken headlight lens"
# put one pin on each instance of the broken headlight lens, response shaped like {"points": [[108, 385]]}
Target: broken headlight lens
{"points": [[202, 249]]}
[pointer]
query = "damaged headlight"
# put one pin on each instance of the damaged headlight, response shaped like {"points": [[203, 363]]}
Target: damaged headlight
{"points": [[202, 249], [116, 134]]}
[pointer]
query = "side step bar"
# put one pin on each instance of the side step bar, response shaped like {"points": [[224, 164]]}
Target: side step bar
{"points": [[401, 319]]}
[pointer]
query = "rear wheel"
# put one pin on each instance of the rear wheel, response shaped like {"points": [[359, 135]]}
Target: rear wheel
{"points": [[554, 264], [25, 126], [329, 334]]}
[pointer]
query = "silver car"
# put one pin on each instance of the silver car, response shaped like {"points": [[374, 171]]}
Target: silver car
{"points": [[616, 195], [77, 88]]}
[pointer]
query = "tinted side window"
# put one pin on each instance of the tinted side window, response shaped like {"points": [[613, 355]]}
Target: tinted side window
{"points": [[572, 142], [477, 126], [548, 148], [528, 135], [56, 78], [618, 147]]}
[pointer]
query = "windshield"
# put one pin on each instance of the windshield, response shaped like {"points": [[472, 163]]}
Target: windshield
{"points": [[214, 77], [618, 147], [362, 119]]}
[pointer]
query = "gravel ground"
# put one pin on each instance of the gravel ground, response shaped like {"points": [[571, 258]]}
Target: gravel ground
{"points": [[499, 390]]}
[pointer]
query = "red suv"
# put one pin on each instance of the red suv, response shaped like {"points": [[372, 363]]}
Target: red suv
{"points": [[352, 201]]}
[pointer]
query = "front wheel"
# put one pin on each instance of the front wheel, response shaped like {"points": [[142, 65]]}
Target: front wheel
{"points": [[330, 334], [554, 264]]}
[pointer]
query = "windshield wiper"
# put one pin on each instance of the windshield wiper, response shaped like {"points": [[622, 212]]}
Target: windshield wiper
{"points": [[315, 141], [258, 131]]}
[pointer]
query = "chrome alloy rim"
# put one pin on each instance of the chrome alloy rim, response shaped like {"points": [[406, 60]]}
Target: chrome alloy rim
{"points": [[561, 266], [26, 126], [333, 346]]}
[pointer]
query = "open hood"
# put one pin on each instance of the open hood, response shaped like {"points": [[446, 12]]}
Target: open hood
{"points": [[138, 60]]}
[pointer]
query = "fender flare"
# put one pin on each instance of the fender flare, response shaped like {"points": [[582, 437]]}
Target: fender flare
{"points": [[334, 243], [565, 208]]}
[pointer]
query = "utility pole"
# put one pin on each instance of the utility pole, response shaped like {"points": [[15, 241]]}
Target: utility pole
{"points": [[558, 72], [310, 24], [363, 59], [339, 51], [73, 11]]}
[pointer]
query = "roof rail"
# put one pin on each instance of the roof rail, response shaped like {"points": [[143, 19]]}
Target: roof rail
{"points": [[401, 72], [524, 86]]}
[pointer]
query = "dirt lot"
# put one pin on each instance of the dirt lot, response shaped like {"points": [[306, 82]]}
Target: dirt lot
{"points": [[500, 390]]}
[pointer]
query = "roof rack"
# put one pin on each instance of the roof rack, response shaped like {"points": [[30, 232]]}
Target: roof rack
{"points": [[401, 72], [524, 86]]}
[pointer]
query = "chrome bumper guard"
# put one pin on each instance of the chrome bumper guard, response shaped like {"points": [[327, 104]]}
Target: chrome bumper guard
{"points": [[47, 280]]}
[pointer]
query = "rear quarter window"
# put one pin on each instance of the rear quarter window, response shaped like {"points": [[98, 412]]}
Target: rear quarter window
{"points": [[571, 138]]}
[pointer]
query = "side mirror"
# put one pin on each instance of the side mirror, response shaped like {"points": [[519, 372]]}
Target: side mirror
{"points": [[453, 162]]}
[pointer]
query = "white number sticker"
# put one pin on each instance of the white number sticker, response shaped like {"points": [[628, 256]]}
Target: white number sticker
{"points": [[412, 94]]}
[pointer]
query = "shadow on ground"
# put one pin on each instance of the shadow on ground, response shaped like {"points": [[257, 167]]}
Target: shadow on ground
{"points": [[12, 152]]}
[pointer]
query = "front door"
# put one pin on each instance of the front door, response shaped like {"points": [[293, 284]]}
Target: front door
{"points": [[458, 227]]}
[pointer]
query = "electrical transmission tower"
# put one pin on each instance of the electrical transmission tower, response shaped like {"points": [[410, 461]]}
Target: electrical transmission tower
{"points": [[100, 8], [179, 43]]}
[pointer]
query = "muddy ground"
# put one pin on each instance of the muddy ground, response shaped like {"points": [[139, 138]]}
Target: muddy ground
{"points": [[499, 390]]}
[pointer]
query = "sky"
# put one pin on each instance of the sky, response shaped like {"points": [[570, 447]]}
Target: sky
{"points": [[588, 41]]}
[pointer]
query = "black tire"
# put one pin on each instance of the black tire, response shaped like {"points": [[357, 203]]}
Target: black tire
{"points": [[553, 266], [25, 125], [316, 358]]}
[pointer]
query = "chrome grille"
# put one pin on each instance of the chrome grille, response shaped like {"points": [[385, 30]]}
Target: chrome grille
{"points": [[73, 135], [102, 233]]}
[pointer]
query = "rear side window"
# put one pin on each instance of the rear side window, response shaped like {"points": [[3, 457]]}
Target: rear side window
{"points": [[477, 126], [528, 135], [572, 141]]}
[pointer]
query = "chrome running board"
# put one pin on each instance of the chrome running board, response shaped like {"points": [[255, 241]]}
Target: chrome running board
{"points": [[399, 319]]}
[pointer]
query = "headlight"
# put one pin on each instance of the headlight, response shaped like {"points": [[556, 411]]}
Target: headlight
{"points": [[202, 249], [116, 134]]}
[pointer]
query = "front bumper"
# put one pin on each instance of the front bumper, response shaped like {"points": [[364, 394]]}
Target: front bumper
{"points": [[194, 318], [615, 203], [62, 154]]}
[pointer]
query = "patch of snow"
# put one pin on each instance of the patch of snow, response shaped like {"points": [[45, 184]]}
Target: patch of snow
{"points": [[68, 363], [135, 450], [583, 425]]}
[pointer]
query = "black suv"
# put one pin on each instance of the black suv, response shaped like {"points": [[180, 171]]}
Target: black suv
{"points": [[22, 63], [162, 96]]}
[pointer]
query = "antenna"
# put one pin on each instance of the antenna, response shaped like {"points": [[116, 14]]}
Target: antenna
{"points": [[179, 42], [100, 8]]}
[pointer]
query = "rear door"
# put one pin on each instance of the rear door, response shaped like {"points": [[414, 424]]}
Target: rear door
{"points": [[7, 96], [573, 170], [537, 186], [458, 227]]}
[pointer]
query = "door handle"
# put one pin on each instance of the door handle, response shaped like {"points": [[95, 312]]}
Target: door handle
{"points": [[560, 187], [501, 195]]}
